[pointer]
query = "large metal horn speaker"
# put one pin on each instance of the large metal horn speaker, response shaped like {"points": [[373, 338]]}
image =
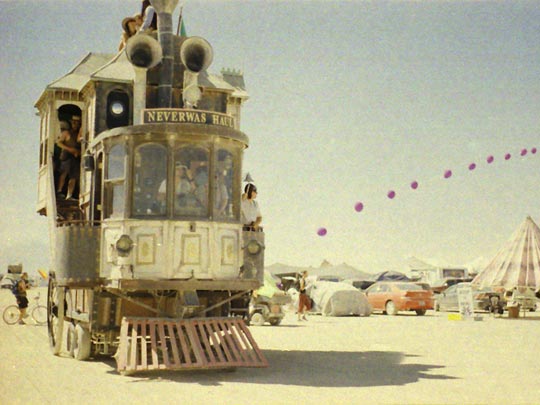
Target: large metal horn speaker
{"points": [[196, 54], [143, 51]]}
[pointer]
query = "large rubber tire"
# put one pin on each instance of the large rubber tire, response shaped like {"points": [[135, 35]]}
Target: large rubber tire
{"points": [[11, 314], [71, 339], [391, 308], [420, 312], [257, 319], [55, 315], [82, 344], [39, 315]]}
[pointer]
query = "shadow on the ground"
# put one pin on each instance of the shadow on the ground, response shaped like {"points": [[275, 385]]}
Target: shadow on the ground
{"points": [[311, 369]]}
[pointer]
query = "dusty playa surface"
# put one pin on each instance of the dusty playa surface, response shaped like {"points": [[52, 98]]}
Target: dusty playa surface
{"points": [[379, 359]]}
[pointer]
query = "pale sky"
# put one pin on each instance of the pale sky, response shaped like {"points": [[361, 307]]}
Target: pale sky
{"points": [[349, 100]]}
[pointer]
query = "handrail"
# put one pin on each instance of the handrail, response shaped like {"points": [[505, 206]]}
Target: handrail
{"points": [[78, 222]]}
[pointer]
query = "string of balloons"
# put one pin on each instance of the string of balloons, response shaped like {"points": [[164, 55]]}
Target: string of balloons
{"points": [[391, 194]]}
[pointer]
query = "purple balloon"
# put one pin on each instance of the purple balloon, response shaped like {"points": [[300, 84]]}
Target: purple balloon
{"points": [[358, 206], [391, 194], [523, 152], [414, 185], [507, 156], [472, 166], [448, 174], [533, 151], [490, 159], [321, 231]]}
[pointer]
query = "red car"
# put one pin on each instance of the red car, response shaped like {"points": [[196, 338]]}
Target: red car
{"points": [[390, 297]]}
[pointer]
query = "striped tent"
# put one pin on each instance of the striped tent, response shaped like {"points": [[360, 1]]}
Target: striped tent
{"points": [[517, 264]]}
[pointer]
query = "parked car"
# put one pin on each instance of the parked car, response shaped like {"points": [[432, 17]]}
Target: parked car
{"points": [[448, 282], [484, 299], [390, 297], [425, 286], [360, 284], [335, 279], [523, 296]]}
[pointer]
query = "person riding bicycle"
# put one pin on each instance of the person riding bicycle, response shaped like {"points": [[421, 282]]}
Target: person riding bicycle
{"points": [[22, 300]]}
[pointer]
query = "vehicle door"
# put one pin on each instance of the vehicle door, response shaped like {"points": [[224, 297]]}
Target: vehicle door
{"points": [[375, 298], [451, 298]]}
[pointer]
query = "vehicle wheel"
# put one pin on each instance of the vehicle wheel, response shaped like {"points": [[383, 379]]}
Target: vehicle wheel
{"points": [[11, 314], [39, 315], [420, 312], [71, 338], [257, 319], [391, 308], [55, 314], [437, 307], [275, 321], [81, 343]]}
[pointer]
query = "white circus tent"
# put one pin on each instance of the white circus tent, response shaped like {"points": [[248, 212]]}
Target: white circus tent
{"points": [[517, 264]]}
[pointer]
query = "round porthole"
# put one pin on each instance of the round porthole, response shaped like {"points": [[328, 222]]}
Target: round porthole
{"points": [[117, 108]]}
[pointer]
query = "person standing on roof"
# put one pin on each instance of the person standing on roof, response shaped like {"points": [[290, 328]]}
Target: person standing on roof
{"points": [[130, 26], [149, 15], [251, 213]]}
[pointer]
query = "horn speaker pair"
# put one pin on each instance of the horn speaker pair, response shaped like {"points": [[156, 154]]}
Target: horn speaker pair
{"points": [[145, 52]]}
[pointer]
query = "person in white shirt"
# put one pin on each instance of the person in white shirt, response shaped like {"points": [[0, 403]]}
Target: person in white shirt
{"points": [[251, 214]]}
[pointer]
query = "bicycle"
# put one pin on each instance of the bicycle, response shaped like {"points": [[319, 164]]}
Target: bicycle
{"points": [[37, 311]]}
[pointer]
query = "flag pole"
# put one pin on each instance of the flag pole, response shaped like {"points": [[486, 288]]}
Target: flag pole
{"points": [[179, 21]]}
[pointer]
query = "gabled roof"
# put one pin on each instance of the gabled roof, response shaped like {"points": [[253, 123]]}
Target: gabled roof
{"points": [[117, 68], [517, 264], [224, 82], [79, 76]]}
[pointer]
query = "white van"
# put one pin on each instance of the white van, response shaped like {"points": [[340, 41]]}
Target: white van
{"points": [[437, 276]]}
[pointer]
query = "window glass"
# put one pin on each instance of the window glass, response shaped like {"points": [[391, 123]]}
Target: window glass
{"points": [[114, 183], [409, 287], [116, 165], [117, 209], [223, 184], [150, 180], [190, 181]]}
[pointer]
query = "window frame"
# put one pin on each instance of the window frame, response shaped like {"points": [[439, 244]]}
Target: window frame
{"points": [[110, 184]]}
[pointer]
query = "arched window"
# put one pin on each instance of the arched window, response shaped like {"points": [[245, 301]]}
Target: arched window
{"points": [[117, 109], [223, 184], [150, 180], [114, 182], [191, 181]]}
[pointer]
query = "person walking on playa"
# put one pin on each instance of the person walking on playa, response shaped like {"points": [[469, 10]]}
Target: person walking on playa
{"points": [[304, 302], [22, 301]]}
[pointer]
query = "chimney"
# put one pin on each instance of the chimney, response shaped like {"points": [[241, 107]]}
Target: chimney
{"points": [[164, 10]]}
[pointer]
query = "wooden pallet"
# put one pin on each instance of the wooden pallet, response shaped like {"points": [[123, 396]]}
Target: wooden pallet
{"points": [[177, 344]]}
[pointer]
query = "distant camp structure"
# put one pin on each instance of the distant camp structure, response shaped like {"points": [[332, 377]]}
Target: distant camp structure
{"points": [[517, 263]]}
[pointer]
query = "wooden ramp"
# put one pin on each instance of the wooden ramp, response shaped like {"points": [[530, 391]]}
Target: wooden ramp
{"points": [[178, 344]]}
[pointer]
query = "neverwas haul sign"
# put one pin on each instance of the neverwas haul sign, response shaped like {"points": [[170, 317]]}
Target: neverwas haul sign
{"points": [[179, 116]]}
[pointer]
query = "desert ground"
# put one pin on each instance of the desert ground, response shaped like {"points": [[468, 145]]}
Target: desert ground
{"points": [[403, 359]]}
